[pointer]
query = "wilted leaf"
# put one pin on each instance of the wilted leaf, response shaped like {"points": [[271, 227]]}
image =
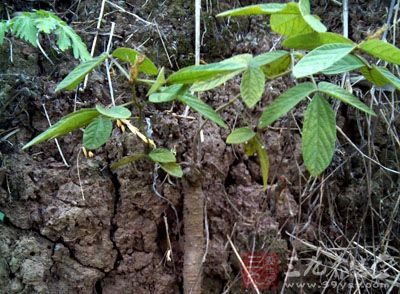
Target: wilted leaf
{"points": [[374, 75], [277, 67]]}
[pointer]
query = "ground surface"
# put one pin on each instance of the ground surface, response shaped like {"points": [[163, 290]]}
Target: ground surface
{"points": [[115, 239]]}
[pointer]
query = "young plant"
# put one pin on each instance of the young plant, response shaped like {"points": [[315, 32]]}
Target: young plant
{"points": [[29, 25]]}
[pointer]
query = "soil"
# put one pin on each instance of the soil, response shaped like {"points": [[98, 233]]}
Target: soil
{"points": [[87, 229]]}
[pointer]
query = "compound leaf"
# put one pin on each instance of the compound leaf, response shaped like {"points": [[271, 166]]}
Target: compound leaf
{"points": [[203, 108], [23, 26], [127, 159], [344, 96], [97, 133], [318, 136], [116, 112], [382, 50], [257, 9], [289, 21], [68, 123], [286, 101], [68, 38], [72, 80], [162, 155], [320, 59], [45, 21], [167, 94], [240, 135], [172, 168], [313, 40], [346, 64], [130, 55]]}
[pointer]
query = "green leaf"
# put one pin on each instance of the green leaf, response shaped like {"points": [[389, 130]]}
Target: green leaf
{"points": [[162, 155], [116, 112], [23, 26], [68, 123], [313, 22], [286, 101], [318, 136], [167, 94], [73, 79], [267, 8], [277, 67], [213, 83], [242, 59], [3, 31], [382, 50], [344, 96], [313, 40], [130, 55], [289, 21], [267, 58], [67, 38], [263, 158], [346, 64], [2, 216], [127, 159], [395, 81], [240, 135], [374, 75], [320, 59], [45, 21], [252, 86], [172, 168], [97, 133], [204, 109], [199, 73], [160, 81]]}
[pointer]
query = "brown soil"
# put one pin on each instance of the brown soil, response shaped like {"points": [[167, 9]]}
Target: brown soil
{"points": [[85, 229]]}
